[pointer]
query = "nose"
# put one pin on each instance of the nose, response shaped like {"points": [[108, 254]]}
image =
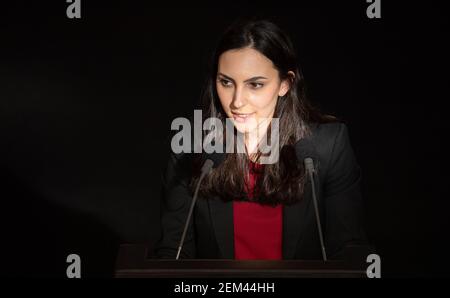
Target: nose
{"points": [[238, 99]]}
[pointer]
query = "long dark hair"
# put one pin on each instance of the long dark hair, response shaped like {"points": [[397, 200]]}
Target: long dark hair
{"points": [[282, 182]]}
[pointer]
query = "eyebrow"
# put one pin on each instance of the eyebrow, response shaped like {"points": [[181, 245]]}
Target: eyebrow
{"points": [[248, 80]]}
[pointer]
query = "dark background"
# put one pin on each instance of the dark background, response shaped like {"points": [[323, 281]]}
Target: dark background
{"points": [[86, 106]]}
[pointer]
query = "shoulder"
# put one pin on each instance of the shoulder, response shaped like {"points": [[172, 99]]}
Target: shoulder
{"points": [[328, 143], [325, 133]]}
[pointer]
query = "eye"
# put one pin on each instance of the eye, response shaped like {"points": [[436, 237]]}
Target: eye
{"points": [[256, 85], [225, 83]]}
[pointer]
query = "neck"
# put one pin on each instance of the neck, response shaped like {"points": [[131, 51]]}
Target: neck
{"points": [[252, 140]]}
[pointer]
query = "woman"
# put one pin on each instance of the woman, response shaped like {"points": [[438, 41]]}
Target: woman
{"points": [[247, 209]]}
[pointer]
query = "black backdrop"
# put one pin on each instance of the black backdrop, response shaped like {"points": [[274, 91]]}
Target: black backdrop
{"points": [[86, 106]]}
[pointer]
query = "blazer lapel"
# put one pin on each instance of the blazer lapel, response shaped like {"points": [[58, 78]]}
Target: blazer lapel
{"points": [[222, 221], [294, 224]]}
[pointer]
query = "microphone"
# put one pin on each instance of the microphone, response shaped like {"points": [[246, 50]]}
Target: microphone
{"points": [[305, 151], [213, 160]]}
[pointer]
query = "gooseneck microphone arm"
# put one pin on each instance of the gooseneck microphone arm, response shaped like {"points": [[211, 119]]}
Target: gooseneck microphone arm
{"points": [[207, 166], [309, 165]]}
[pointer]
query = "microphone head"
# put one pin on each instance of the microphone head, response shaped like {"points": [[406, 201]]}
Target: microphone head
{"points": [[207, 166], [212, 160], [306, 153], [309, 164]]}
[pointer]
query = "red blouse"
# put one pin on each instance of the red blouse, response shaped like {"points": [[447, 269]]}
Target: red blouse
{"points": [[257, 228]]}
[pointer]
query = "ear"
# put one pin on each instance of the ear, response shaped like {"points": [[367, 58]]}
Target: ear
{"points": [[286, 84]]}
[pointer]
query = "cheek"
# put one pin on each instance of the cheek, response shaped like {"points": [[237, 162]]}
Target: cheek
{"points": [[264, 102]]}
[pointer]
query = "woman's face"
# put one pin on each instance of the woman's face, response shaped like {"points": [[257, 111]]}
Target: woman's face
{"points": [[248, 86]]}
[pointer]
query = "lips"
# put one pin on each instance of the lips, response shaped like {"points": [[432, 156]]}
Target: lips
{"points": [[242, 117]]}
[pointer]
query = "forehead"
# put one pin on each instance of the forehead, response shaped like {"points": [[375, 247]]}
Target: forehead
{"points": [[242, 64]]}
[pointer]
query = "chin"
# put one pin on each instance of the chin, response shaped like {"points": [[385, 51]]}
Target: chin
{"points": [[243, 128]]}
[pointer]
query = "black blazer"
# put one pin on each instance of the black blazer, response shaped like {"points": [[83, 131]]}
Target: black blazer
{"points": [[210, 234]]}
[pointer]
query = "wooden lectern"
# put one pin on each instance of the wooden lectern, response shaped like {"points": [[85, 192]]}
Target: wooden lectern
{"points": [[133, 261]]}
